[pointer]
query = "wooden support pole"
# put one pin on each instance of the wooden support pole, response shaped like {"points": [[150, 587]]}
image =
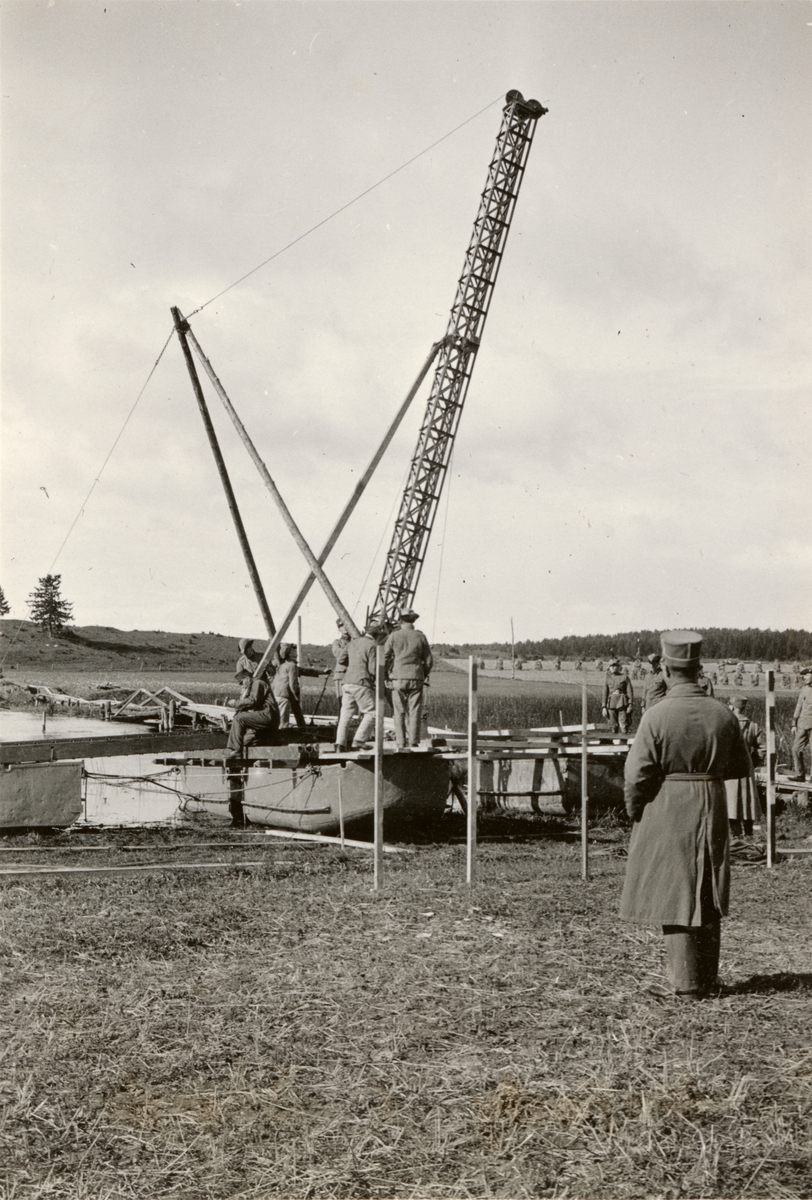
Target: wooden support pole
{"points": [[299, 641], [183, 333], [769, 712], [360, 487], [473, 772], [298, 536], [584, 787], [378, 784]]}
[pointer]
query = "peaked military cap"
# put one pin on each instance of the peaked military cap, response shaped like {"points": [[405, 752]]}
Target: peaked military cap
{"points": [[653, 658], [681, 648], [738, 703]]}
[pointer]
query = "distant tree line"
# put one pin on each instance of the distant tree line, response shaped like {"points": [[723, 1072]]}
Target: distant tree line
{"points": [[771, 645]]}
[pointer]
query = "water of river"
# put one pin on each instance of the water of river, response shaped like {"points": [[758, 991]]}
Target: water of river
{"points": [[129, 790]]}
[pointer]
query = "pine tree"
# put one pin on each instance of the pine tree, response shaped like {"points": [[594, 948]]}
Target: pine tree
{"points": [[48, 609], [5, 607]]}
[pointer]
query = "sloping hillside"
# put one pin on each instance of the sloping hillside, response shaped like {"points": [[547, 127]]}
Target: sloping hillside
{"points": [[97, 647]]}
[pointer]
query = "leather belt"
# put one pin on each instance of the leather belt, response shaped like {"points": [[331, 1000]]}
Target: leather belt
{"points": [[689, 775]]}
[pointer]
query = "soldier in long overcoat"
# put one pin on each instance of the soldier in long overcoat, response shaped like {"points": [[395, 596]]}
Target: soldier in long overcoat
{"points": [[678, 870]]}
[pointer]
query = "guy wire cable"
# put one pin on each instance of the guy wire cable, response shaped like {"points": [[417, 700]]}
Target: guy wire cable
{"points": [[344, 207]]}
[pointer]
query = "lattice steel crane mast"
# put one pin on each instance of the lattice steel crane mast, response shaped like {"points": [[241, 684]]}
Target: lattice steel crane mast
{"points": [[455, 361]]}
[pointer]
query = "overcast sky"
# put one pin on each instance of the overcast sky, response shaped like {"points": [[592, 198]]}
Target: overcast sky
{"points": [[635, 446]]}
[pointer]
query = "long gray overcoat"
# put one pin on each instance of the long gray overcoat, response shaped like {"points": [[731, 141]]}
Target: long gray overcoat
{"points": [[685, 748]]}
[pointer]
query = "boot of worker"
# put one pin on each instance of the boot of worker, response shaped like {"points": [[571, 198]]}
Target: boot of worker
{"points": [[683, 960], [710, 940]]}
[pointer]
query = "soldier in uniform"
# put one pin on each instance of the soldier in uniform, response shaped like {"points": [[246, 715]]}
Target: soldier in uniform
{"points": [[256, 715], [338, 648], [802, 725], [743, 804], [286, 688], [678, 869], [654, 688], [358, 692], [705, 683], [618, 697], [408, 661]]}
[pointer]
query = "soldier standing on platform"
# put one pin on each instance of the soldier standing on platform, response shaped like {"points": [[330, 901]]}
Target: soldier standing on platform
{"points": [[678, 869], [802, 726], [286, 689], [358, 692], [408, 661], [338, 648], [654, 688], [618, 697]]}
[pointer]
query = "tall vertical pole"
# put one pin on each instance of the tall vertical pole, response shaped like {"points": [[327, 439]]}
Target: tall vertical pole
{"points": [[284, 511], [299, 638], [770, 730], [584, 788], [473, 771], [378, 786], [182, 329], [512, 652]]}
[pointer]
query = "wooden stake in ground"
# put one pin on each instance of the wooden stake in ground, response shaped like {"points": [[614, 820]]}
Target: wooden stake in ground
{"points": [[473, 772], [769, 712], [378, 786], [584, 788]]}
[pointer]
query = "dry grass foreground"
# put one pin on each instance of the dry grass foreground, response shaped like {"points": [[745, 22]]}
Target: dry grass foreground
{"points": [[278, 1030]]}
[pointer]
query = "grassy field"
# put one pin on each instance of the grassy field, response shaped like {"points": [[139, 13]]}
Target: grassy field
{"points": [[278, 1030]]}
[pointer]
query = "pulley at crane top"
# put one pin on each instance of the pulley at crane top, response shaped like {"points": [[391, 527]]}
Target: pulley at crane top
{"points": [[530, 108]]}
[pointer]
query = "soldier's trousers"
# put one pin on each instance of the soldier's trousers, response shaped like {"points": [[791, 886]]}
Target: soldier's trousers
{"points": [[619, 719], [356, 698], [257, 722], [692, 951], [407, 702], [290, 706], [800, 744]]}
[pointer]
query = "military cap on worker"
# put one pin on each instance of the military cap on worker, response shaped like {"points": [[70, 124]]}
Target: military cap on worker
{"points": [[409, 614], [614, 662], [653, 658], [738, 703], [374, 628], [244, 643], [681, 648]]}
